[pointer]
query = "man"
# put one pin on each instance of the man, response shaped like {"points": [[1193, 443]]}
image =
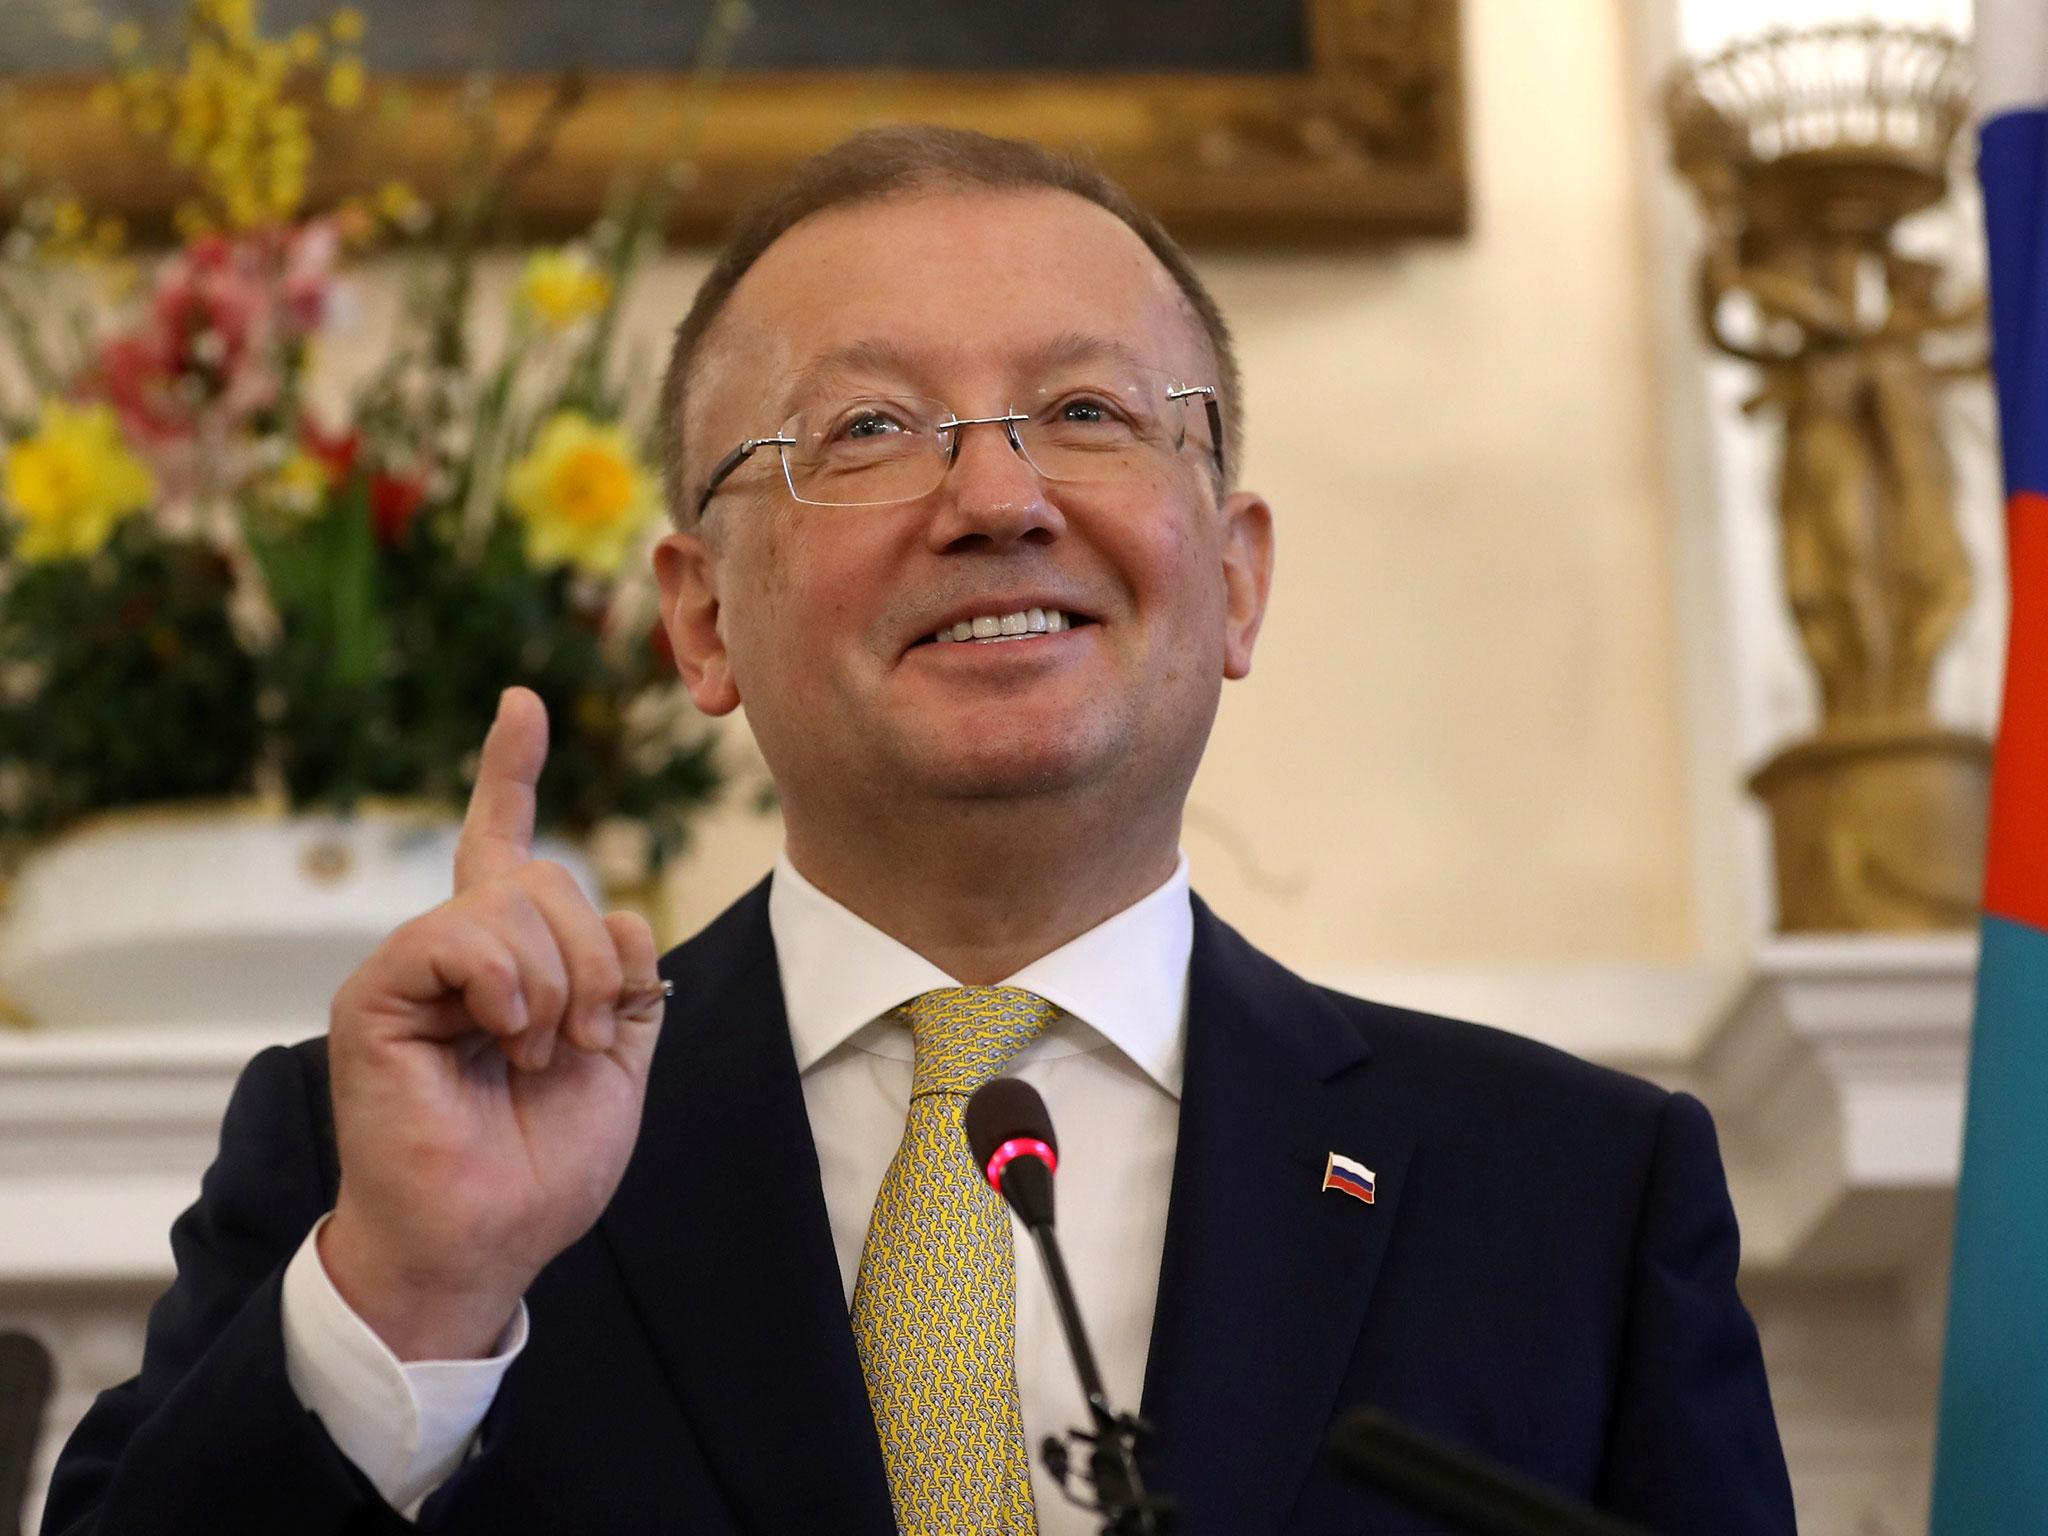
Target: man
{"points": [[955, 435]]}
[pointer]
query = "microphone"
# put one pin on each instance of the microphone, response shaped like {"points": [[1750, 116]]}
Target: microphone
{"points": [[1472, 1493], [1010, 1133]]}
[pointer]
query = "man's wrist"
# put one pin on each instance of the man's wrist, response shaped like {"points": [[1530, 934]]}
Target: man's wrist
{"points": [[417, 1315], [406, 1427]]}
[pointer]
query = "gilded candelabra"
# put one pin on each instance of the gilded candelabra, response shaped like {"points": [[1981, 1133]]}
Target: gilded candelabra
{"points": [[1807, 150]]}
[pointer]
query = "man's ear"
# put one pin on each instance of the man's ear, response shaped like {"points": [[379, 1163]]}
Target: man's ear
{"points": [[688, 574], [1247, 576]]}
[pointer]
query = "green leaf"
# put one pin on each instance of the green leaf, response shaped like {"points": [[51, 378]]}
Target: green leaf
{"points": [[352, 574]]}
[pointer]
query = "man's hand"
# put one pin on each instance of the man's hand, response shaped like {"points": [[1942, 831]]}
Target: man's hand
{"points": [[489, 1064]]}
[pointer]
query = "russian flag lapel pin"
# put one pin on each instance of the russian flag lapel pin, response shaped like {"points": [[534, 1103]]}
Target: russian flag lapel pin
{"points": [[1348, 1176]]}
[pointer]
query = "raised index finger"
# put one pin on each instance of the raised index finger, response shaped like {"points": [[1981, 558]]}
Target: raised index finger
{"points": [[497, 831]]}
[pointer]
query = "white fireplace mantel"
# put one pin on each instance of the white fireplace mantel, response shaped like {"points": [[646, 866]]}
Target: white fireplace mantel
{"points": [[1835, 1068], [103, 1136]]}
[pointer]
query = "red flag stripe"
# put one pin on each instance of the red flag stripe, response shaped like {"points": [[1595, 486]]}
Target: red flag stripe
{"points": [[2016, 867]]}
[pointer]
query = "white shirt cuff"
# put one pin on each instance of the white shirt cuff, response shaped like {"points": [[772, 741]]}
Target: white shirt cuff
{"points": [[407, 1427]]}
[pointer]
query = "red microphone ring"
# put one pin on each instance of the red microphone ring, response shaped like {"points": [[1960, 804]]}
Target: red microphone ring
{"points": [[1015, 1147]]}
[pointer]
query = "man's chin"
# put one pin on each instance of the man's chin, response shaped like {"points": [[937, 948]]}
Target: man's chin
{"points": [[1021, 769]]}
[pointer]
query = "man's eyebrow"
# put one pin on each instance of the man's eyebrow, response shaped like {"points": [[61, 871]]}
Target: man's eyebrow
{"points": [[1071, 347], [855, 357], [874, 357]]}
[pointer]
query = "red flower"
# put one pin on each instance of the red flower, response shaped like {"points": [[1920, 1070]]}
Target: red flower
{"points": [[336, 451], [393, 501], [138, 375]]}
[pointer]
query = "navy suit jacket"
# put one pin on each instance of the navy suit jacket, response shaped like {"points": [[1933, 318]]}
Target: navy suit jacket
{"points": [[1547, 1276]]}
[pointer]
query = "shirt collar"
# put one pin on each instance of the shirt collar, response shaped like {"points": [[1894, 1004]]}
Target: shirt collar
{"points": [[1124, 980]]}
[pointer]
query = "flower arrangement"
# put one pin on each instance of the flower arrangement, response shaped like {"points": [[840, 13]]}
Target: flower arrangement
{"points": [[210, 587]]}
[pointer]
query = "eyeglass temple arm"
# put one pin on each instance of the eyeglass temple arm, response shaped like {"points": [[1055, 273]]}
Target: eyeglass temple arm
{"points": [[1208, 394], [732, 461]]}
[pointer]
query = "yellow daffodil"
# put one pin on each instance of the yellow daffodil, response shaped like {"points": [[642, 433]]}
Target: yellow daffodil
{"points": [[562, 287], [582, 493], [72, 481], [237, 18], [234, 113], [345, 84], [271, 63], [299, 483], [402, 208]]}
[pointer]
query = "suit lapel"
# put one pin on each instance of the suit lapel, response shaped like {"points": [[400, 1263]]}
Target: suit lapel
{"points": [[721, 1234], [1265, 1276]]}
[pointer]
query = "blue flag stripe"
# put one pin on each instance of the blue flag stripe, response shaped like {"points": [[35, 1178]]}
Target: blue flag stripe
{"points": [[2013, 164]]}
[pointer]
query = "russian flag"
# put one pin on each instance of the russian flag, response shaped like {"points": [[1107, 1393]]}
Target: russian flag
{"points": [[1348, 1176], [1991, 1460]]}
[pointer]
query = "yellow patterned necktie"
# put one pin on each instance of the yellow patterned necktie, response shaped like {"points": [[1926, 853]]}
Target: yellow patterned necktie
{"points": [[935, 1307]]}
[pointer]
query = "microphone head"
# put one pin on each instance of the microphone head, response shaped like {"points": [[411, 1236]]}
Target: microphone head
{"points": [[1005, 1109], [1011, 1136]]}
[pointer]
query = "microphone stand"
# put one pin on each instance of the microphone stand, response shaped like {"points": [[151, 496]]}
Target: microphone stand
{"points": [[1113, 1458], [1121, 1499], [1010, 1135]]}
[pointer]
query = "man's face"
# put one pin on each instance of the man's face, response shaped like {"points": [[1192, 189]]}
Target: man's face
{"points": [[820, 618]]}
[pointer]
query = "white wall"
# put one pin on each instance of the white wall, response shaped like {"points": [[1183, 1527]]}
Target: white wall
{"points": [[1461, 740]]}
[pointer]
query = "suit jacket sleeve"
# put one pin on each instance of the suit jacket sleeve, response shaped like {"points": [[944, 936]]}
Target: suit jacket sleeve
{"points": [[210, 1436], [1694, 1445]]}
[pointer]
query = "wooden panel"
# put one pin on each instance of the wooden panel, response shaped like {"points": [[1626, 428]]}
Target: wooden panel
{"points": [[1364, 141]]}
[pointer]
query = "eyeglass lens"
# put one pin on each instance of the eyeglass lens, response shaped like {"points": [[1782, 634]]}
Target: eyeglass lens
{"points": [[883, 448]]}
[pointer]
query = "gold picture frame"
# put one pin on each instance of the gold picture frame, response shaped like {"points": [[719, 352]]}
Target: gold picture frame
{"points": [[1366, 143]]}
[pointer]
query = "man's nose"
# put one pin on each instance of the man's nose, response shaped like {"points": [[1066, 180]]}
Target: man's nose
{"points": [[992, 493]]}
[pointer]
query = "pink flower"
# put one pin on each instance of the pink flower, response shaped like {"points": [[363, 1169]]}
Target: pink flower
{"points": [[138, 377], [309, 257], [216, 308], [208, 347]]}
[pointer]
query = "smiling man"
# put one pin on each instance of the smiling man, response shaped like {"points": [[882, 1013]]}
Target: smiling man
{"points": [[954, 436]]}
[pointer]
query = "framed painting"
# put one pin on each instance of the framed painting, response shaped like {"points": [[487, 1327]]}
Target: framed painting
{"points": [[1287, 122]]}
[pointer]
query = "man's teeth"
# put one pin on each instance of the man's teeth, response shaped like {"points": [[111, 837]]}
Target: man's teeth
{"points": [[1007, 626]]}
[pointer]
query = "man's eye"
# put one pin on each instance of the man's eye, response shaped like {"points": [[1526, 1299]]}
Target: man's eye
{"points": [[867, 425], [1085, 410]]}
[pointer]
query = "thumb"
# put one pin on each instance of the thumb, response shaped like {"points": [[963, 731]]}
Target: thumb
{"points": [[639, 1027]]}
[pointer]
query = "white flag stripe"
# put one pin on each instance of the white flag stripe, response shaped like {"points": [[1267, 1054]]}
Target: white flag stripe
{"points": [[1352, 1167], [2011, 55]]}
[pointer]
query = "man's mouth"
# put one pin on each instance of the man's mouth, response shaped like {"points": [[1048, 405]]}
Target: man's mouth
{"points": [[990, 628]]}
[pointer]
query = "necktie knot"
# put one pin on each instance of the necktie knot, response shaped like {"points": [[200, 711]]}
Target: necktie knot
{"points": [[964, 1036]]}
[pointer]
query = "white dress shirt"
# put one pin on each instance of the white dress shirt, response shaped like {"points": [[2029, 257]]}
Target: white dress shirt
{"points": [[1110, 1070]]}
